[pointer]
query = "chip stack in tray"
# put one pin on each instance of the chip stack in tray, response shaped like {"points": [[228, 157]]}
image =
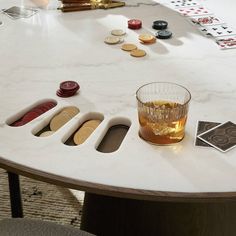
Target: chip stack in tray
{"points": [[34, 113]]}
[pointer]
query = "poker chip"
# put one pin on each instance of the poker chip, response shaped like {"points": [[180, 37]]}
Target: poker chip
{"points": [[92, 123], [118, 32], [18, 123], [112, 40], [138, 53], [134, 24], [69, 86], [85, 131], [164, 34], [68, 89], [160, 25], [150, 42], [146, 38], [128, 47], [30, 116], [46, 133], [63, 117], [82, 134], [34, 113]]}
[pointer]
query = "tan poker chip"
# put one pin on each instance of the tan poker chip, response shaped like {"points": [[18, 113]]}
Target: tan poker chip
{"points": [[63, 117], [146, 38], [46, 133], [71, 110], [138, 53], [150, 42], [92, 123], [118, 32], [128, 47], [112, 40], [58, 121], [82, 134]]}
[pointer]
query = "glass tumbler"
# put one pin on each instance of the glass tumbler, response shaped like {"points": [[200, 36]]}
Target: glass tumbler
{"points": [[162, 112]]}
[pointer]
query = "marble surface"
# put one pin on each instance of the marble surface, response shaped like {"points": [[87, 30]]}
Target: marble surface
{"points": [[39, 52]]}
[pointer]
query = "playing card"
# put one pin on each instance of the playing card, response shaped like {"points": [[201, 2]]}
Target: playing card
{"points": [[206, 20], [194, 11], [226, 42], [203, 126], [19, 12], [183, 3], [217, 30], [221, 137]]}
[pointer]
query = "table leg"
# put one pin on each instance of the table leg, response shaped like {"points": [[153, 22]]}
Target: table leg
{"points": [[106, 216], [15, 195]]}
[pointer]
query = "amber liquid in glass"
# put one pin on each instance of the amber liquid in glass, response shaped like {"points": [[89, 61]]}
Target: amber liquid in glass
{"points": [[163, 131]]}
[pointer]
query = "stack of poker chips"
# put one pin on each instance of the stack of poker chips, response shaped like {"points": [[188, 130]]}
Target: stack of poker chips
{"points": [[134, 24], [68, 89], [162, 32], [34, 113], [81, 5]]}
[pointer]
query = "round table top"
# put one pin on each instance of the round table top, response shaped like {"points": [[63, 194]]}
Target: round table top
{"points": [[40, 52]]}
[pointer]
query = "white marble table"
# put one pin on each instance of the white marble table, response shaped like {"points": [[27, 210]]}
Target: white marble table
{"points": [[39, 52]]}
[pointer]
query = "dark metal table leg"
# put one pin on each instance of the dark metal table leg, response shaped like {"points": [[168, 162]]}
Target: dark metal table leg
{"points": [[15, 195]]}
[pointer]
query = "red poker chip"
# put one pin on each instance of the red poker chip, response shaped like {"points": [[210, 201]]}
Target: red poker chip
{"points": [[30, 116], [68, 92], [134, 24], [18, 123], [69, 86], [64, 95], [48, 104]]}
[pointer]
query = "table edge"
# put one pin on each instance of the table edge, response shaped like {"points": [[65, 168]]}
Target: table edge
{"points": [[113, 191]]}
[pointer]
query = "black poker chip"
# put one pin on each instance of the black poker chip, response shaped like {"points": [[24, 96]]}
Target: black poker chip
{"points": [[164, 34], [160, 25]]}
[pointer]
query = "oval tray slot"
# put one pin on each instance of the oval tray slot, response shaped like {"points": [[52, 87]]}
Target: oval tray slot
{"points": [[30, 113], [87, 118], [56, 122], [113, 138]]}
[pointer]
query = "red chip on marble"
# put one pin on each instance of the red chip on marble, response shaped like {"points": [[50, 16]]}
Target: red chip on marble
{"points": [[69, 86], [67, 89], [134, 24]]}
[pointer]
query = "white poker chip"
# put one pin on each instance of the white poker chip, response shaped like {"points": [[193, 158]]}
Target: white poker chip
{"points": [[112, 40], [118, 32]]}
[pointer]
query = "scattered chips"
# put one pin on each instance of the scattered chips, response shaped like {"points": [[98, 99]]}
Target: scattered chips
{"points": [[85, 131], [63, 117], [68, 89], [34, 113], [134, 24]]}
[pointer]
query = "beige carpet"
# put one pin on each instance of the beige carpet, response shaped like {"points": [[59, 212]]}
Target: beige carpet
{"points": [[43, 201]]}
